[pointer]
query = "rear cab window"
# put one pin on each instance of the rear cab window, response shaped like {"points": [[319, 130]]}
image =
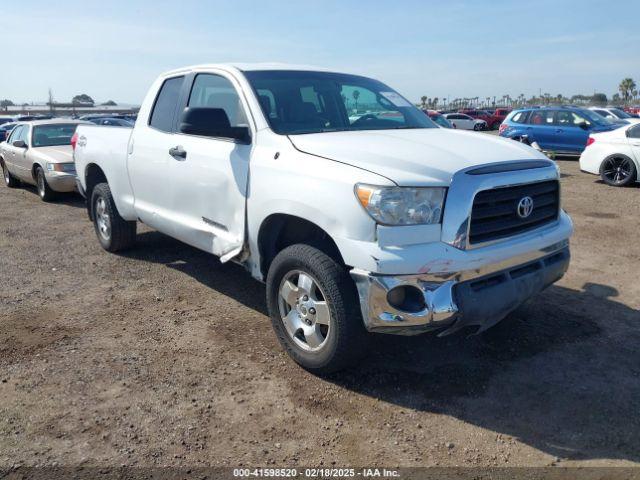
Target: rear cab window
{"points": [[166, 104]]}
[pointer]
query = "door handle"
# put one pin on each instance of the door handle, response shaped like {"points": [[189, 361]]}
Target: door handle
{"points": [[178, 152], [559, 130]]}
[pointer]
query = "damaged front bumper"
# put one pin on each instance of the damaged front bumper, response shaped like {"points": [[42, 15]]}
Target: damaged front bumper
{"points": [[412, 304]]}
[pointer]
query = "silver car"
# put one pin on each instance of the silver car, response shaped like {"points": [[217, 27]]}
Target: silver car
{"points": [[39, 153]]}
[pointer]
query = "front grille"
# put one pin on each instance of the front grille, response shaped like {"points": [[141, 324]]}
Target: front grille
{"points": [[495, 212]]}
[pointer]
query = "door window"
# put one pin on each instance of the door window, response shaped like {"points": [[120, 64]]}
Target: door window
{"points": [[541, 117], [569, 119], [15, 134], [166, 104], [214, 91]]}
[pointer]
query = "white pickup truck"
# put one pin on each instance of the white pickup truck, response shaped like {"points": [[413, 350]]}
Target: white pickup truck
{"points": [[359, 213]]}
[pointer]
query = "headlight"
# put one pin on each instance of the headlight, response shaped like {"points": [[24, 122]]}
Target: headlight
{"points": [[402, 205], [69, 167]]}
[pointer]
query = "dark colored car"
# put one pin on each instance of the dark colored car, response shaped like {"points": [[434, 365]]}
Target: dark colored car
{"points": [[5, 130], [563, 130], [493, 122], [438, 118]]}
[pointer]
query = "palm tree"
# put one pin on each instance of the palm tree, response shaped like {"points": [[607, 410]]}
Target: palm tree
{"points": [[356, 95], [626, 87], [423, 99]]}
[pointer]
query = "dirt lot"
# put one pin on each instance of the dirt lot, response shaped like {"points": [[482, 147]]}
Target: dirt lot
{"points": [[163, 356]]}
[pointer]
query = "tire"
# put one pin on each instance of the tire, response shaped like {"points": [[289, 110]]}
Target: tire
{"points": [[320, 325], [114, 232], [9, 180], [44, 190], [618, 171], [476, 127]]}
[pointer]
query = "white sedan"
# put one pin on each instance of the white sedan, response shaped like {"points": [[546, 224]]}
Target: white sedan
{"points": [[615, 114], [465, 122], [614, 155]]}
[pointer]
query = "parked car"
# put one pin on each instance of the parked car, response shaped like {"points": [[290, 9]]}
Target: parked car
{"points": [[112, 122], [563, 130], [500, 114], [614, 155], [39, 153], [5, 130], [615, 114], [463, 121], [438, 118], [345, 221], [492, 121]]}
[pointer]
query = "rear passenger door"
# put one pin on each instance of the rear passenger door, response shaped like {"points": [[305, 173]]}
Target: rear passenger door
{"points": [[149, 160], [541, 129]]}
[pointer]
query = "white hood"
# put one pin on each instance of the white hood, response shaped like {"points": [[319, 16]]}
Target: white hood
{"points": [[427, 157]]}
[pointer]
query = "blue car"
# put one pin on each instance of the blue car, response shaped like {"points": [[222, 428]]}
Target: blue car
{"points": [[563, 130]]}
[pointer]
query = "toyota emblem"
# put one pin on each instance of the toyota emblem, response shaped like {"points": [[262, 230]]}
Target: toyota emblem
{"points": [[525, 207]]}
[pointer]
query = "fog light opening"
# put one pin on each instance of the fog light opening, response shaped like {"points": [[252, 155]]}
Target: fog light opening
{"points": [[406, 298]]}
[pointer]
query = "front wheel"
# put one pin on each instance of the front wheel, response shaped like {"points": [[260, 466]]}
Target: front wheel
{"points": [[313, 305], [44, 190], [476, 127], [618, 171], [114, 232]]}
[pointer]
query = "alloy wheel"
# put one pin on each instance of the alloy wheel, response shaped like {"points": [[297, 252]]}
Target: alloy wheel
{"points": [[103, 220], [304, 310], [617, 169], [41, 185]]}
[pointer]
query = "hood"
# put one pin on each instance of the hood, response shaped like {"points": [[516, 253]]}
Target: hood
{"points": [[59, 154], [427, 157]]}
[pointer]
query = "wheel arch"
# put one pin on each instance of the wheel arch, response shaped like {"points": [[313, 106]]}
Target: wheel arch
{"points": [[35, 167], [280, 230], [93, 176]]}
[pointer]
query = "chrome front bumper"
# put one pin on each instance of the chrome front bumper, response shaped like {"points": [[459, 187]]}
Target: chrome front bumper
{"points": [[453, 300], [61, 182]]}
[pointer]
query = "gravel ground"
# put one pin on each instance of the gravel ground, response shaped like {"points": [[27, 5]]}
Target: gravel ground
{"points": [[163, 356]]}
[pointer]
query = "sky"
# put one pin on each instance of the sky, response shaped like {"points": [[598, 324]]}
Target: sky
{"points": [[114, 49]]}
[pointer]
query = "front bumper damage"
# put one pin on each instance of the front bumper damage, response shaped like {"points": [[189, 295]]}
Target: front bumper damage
{"points": [[479, 297]]}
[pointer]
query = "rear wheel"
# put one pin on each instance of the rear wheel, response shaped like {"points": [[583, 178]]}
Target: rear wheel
{"points": [[114, 232], [9, 180], [314, 310], [618, 170], [44, 190]]}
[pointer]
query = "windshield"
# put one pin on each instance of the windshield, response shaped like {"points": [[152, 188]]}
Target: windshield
{"points": [[298, 102], [620, 113], [53, 135], [593, 117], [440, 120]]}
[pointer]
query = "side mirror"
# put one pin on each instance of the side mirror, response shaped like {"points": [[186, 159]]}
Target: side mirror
{"points": [[211, 122], [20, 144], [584, 125]]}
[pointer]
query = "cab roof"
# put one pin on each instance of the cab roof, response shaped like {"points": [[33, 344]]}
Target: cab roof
{"points": [[248, 67]]}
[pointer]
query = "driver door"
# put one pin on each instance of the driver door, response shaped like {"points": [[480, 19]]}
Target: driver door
{"points": [[16, 156], [209, 181]]}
